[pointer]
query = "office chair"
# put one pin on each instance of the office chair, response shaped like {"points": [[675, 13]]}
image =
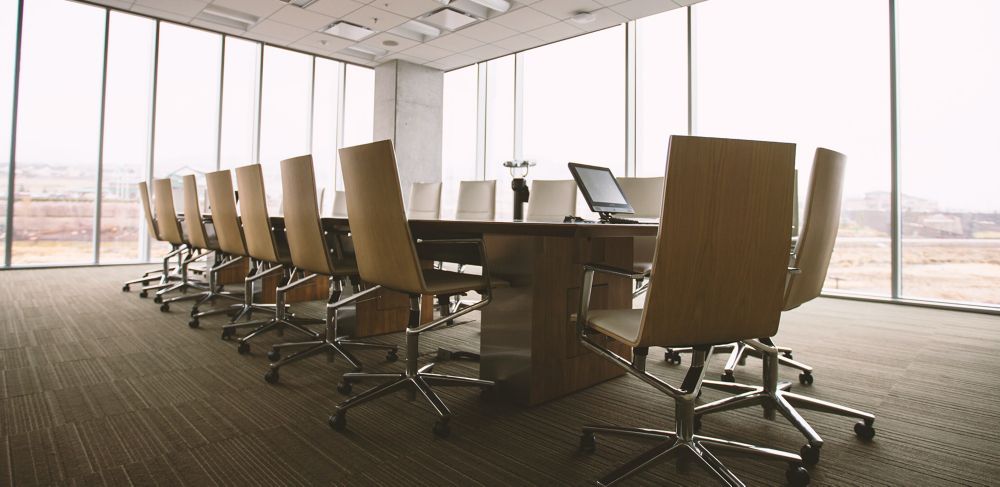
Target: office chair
{"points": [[645, 195], [477, 200], [810, 262], [164, 274], [425, 201], [551, 200], [387, 257], [170, 229], [312, 253], [267, 245], [340, 204], [718, 274]]}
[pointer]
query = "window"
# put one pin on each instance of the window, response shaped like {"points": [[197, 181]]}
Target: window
{"points": [[949, 68], [8, 45], [824, 89], [500, 101], [58, 132], [284, 117], [359, 109], [240, 81], [661, 107], [458, 150], [574, 105], [325, 129], [127, 110]]}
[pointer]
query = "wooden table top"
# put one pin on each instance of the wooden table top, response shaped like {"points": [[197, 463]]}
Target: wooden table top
{"points": [[444, 227]]}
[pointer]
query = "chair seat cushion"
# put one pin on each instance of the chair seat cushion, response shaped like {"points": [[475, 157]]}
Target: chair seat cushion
{"points": [[447, 282], [620, 324]]}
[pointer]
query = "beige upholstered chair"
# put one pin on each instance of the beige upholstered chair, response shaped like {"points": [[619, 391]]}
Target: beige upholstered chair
{"points": [[164, 274], [266, 245], [387, 257], [477, 200], [170, 230], [317, 253], [645, 195], [718, 276], [809, 262], [551, 201], [425, 201], [340, 204]]}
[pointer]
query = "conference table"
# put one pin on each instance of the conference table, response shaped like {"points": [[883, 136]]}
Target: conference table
{"points": [[528, 341]]}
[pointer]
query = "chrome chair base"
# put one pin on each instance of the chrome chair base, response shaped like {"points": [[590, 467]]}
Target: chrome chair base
{"points": [[738, 353], [776, 397], [280, 321]]}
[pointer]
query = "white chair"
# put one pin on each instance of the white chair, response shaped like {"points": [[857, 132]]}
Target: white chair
{"points": [[340, 204], [425, 201], [476, 200], [645, 195], [551, 200]]}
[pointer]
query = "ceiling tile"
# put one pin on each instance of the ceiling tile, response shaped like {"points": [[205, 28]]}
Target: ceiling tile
{"points": [[119, 4], [485, 52], [452, 62], [609, 2], [335, 8], [427, 52], [402, 56], [278, 30], [257, 8], [186, 8], [564, 9], [374, 18], [301, 18], [378, 40], [685, 3], [605, 18], [524, 20], [217, 27], [257, 36], [519, 42], [160, 14], [407, 8], [556, 32], [325, 42], [454, 43], [487, 31], [636, 9]]}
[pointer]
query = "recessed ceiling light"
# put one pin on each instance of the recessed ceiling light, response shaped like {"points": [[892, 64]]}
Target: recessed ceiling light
{"points": [[417, 31], [583, 17], [349, 31], [449, 19], [390, 43], [228, 17], [300, 3], [365, 52]]}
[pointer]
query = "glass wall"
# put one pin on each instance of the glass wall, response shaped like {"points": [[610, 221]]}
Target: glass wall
{"points": [[176, 100], [359, 110], [949, 69], [127, 113], [500, 103], [661, 87], [458, 150], [58, 133]]}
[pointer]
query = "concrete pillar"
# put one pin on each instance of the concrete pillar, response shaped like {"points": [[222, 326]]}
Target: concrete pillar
{"points": [[408, 103]]}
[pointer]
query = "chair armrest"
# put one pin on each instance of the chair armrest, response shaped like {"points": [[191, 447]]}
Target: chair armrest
{"points": [[615, 271]]}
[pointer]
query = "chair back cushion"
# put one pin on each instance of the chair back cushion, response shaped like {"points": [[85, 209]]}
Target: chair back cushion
{"points": [[383, 244], [340, 204], [192, 214], [147, 210], [166, 216], [722, 249], [551, 201], [253, 213], [302, 222], [223, 206], [819, 228], [476, 200], [644, 194], [425, 201]]}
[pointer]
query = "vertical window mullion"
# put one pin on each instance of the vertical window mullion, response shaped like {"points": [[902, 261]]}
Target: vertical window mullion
{"points": [[9, 236], [895, 206], [100, 142]]}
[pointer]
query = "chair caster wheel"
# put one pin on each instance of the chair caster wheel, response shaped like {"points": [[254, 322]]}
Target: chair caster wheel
{"points": [[797, 476], [441, 428], [588, 442], [809, 454], [194, 311], [392, 356], [228, 333], [271, 376], [697, 424], [274, 355], [193, 323], [126, 288], [672, 357], [243, 348], [165, 307], [157, 299], [338, 421], [864, 430], [728, 377], [806, 378], [344, 387], [143, 294]]}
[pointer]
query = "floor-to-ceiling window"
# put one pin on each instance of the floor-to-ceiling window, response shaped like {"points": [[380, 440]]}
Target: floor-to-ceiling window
{"points": [[661, 87], [795, 75], [325, 129], [458, 150], [284, 118], [948, 61], [127, 115], [499, 146], [58, 133], [359, 110], [240, 83]]}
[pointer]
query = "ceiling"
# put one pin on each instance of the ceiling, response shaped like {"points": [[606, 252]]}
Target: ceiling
{"points": [[493, 33]]}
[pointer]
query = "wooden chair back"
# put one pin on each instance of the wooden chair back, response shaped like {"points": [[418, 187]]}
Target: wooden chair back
{"points": [[425, 201], [383, 244], [147, 210], [166, 216], [308, 247], [819, 228], [477, 200], [721, 256], [192, 214], [224, 218], [340, 204], [644, 194], [551, 200], [253, 213]]}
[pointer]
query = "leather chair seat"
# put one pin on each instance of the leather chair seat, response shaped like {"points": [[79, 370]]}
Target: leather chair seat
{"points": [[622, 324], [447, 282]]}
